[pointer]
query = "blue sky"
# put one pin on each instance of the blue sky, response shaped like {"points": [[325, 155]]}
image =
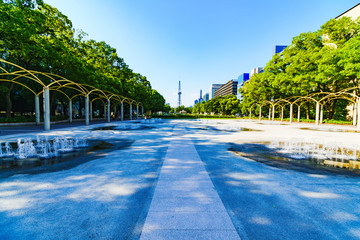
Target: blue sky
{"points": [[196, 41]]}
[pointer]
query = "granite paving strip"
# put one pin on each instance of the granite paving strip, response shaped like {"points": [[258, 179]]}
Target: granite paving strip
{"points": [[185, 204]]}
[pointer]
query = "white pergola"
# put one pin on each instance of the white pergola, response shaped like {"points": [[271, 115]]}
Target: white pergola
{"points": [[60, 84]]}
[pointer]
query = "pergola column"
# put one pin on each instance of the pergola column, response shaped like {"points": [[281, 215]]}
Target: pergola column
{"points": [[298, 117], [317, 113], [260, 114], [70, 111], [282, 113], [91, 111], [122, 111], [321, 113], [37, 109], [142, 111], [104, 110], [269, 113], [130, 111], [273, 112], [358, 112], [354, 113], [46, 108], [108, 110], [137, 111], [250, 114], [87, 110], [291, 113]]}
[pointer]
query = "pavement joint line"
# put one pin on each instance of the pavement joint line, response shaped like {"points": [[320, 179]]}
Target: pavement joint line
{"points": [[185, 201]]}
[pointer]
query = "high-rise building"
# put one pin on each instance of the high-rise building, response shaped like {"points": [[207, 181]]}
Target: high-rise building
{"points": [[256, 71], [213, 88], [241, 80], [353, 12], [228, 88], [206, 97], [201, 98], [279, 48], [179, 94]]}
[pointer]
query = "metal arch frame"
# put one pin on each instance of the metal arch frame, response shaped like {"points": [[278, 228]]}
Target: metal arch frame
{"points": [[251, 106], [83, 88], [272, 106], [58, 82], [131, 101], [19, 67], [278, 102], [21, 84], [319, 101]]}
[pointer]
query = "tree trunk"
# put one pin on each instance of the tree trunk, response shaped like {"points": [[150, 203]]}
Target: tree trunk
{"points": [[53, 106], [332, 109], [307, 110], [64, 107], [8, 101], [80, 107], [8, 104]]}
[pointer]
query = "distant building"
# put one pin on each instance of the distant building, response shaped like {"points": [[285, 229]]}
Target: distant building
{"points": [[353, 12], [206, 97], [179, 95], [241, 80], [229, 88], [213, 88], [201, 98], [256, 71], [279, 48]]}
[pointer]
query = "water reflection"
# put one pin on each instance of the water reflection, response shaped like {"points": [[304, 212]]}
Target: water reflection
{"points": [[276, 157], [96, 149]]}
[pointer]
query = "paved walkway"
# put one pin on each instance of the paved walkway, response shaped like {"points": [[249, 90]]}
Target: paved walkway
{"points": [[185, 204]]}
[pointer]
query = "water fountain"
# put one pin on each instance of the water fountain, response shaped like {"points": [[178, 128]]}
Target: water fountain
{"points": [[30, 156], [42, 148], [326, 153], [8, 150], [26, 148]]}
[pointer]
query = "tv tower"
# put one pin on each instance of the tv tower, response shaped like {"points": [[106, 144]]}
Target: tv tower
{"points": [[179, 93]]}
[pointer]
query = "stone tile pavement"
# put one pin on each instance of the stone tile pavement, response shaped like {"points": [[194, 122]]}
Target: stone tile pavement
{"points": [[185, 204]]}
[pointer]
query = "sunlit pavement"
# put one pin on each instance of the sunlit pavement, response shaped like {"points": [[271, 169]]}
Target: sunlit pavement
{"points": [[119, 194], [185, 204], [274, 203]]}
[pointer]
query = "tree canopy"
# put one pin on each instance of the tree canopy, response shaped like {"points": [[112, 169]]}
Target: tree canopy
{"points": [[226, 105], [326, 60], [38, 37]]}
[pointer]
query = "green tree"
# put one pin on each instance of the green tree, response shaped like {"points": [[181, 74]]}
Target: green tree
{"points": [[38, 37], [157, 101], [180, 108]]}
